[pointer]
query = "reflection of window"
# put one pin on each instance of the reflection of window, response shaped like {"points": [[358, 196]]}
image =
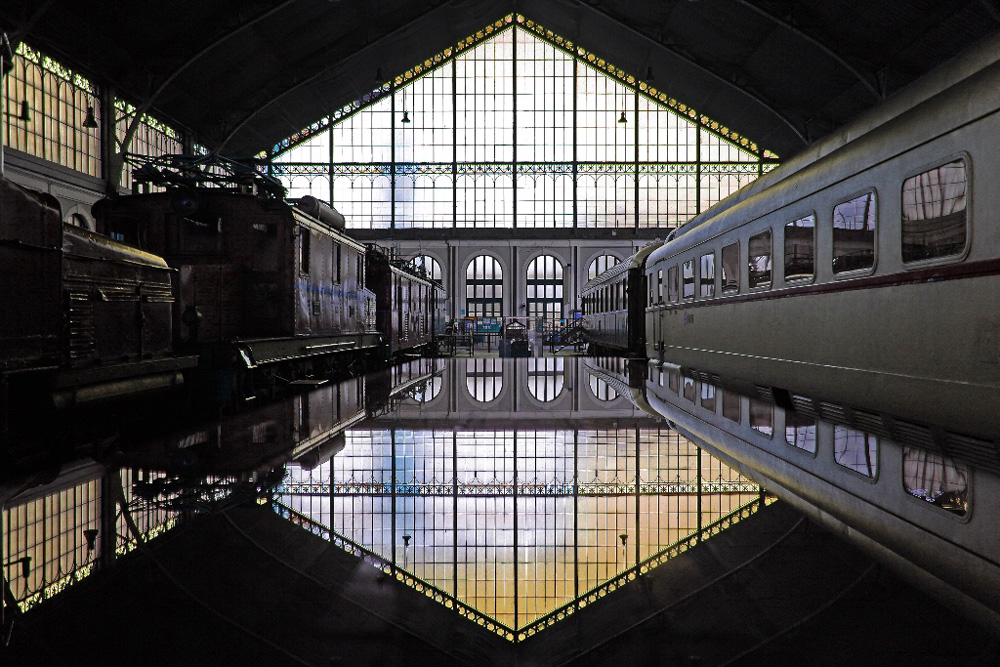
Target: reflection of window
{"points": [[731, 269], [602, 390], [707, 275], [854, 234], [428, 391], [484, 377], [760, 260], [708, 396], [934, 212], [672, 284], [484, 287], [799, 248], [689, 279], [936, 479], [545, 287], [856, 450], [731, 406], [689, 389], [762, 417], [546, 377], [800, 432]]}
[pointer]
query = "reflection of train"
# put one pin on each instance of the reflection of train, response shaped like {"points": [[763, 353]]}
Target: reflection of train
{"points": [[866, 270], [929, 511]]}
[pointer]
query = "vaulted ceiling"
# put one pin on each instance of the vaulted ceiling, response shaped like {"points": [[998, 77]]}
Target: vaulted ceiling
{"points": [[241, 75]]}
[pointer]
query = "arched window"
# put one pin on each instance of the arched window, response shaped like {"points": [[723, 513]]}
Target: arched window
{"points": [[428, 265], [600, 264], [484, 287], [545, 288]]}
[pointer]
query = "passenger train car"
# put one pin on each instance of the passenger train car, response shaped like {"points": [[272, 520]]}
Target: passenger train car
{"points": [[890, 486], [866, 269], [613, 319], [409, 308]]}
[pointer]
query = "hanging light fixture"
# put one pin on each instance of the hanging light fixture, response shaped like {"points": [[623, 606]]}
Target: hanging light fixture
{"points": [[406, 114], [25, 114], [90, 121], [649, 73], [622, 119]]}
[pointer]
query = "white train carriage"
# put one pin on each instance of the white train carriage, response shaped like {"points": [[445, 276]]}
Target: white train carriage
{"points": [[874, 257]]}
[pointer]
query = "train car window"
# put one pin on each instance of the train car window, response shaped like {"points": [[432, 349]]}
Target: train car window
{"points": [[659, 286], [690, 391], [708, 396], [336, 260], [673, 381], [800, 248], [762, 417], [707, 275], [937, 479], [854, 234], [934, 213], [731, 269], [731, 406], [800, 431], [672, 284], [305, 243], [856, 450], [689, 279], [361, 271], [760, 260]]}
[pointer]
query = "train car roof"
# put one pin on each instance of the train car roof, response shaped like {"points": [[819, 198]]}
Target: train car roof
{"points": [[633, 261], [861, 142]]}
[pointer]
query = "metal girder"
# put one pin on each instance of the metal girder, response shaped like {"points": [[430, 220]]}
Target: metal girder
{"points": [[786, 25], [296, 85]]}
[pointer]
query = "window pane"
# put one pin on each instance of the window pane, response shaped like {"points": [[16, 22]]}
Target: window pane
{"points": [[936, 479], [856, 450], [760, 260], [731, 269], [762, 417], [799, 248], [731, 406], [672, 284], [708, 275], [689, 279], [934, 221], [854, 234], [800, 432]]}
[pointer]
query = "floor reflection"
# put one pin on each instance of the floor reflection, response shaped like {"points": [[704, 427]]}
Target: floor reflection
{"points": [[516, 523]]}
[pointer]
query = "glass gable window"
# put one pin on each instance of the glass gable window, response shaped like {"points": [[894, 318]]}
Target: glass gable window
{"points": [[934, 219], [854, 234], [800, 248], [515, 127]]}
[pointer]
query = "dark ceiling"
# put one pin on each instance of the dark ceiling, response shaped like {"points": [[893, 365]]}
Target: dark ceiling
{"points": [[241, 75]]}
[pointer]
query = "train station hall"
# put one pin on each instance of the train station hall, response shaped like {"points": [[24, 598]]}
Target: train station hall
{"points": [[499, 333]]}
